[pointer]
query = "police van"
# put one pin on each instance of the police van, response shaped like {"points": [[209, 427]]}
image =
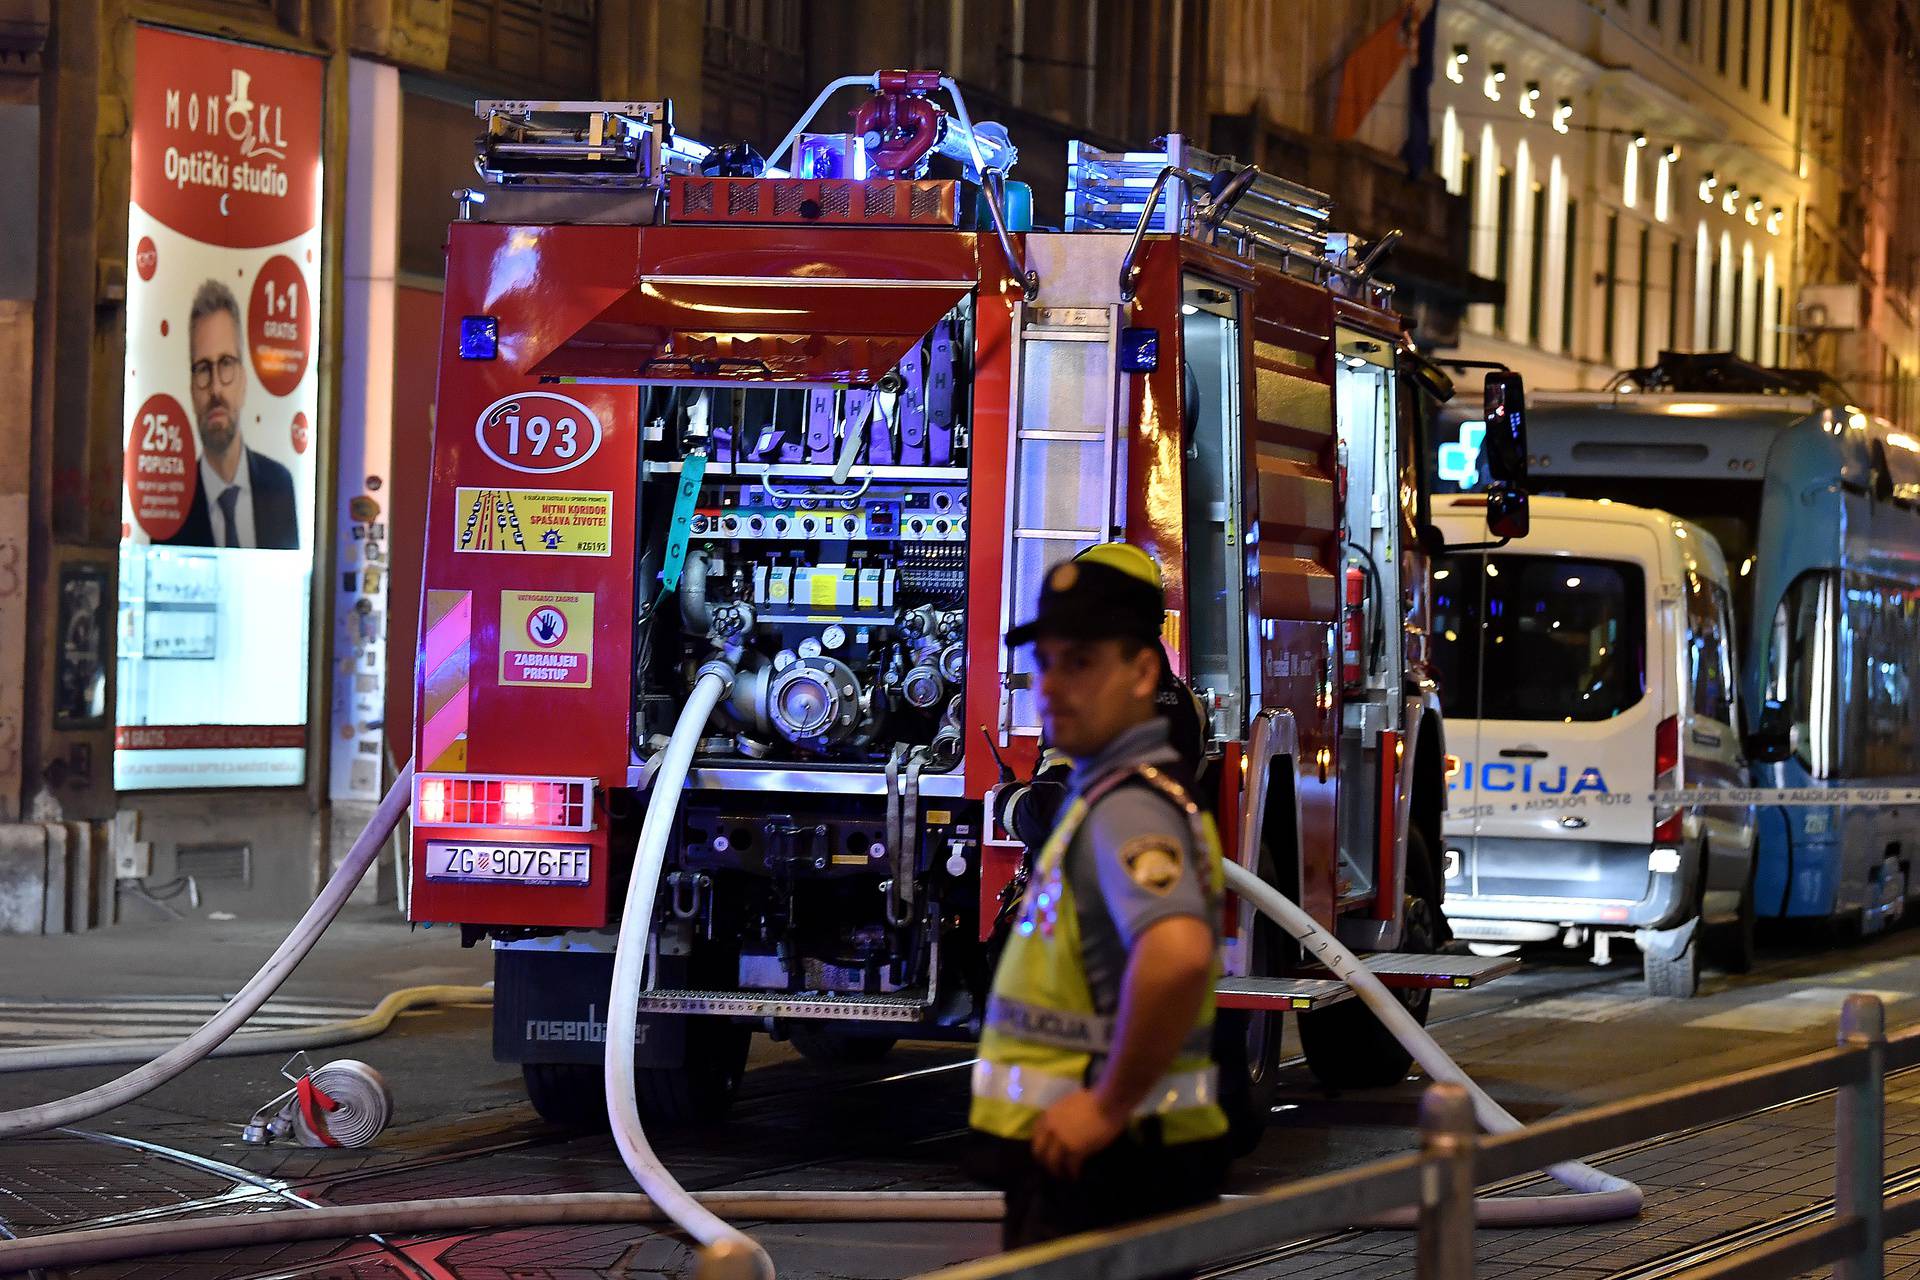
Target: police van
{"points": [[1582, 670]]}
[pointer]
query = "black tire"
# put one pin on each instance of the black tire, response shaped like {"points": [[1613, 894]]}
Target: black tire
{"points": [[1246, 1043], [1246, 1046], [571, 1095], [833, 1046], [1733, 944], [1345, 1045], [701, 1090], [1677, 978]]}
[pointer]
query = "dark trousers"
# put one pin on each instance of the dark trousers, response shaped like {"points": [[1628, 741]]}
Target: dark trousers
{"points": [[1137, 1177]]}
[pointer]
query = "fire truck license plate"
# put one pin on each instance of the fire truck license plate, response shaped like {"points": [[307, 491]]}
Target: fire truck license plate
{"points": [[516, 863]]}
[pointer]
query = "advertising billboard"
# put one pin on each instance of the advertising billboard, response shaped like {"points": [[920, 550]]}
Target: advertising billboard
{"points": [[222, 398]]}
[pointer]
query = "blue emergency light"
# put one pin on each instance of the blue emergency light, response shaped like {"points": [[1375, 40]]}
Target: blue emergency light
{"points": [[479, 337], [1139, 349]]}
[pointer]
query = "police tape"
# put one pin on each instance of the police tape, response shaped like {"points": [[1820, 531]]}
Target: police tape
{"points": [[1798, 796], [1693, 797]]}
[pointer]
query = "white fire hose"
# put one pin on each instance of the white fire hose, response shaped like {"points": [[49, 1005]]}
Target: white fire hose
{"points": [[1599, 1196]]}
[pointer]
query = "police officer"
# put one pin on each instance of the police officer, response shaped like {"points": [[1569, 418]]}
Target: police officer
{"points": [[1095, 1095]]}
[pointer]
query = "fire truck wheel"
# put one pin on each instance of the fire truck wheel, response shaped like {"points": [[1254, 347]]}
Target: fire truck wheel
{"points": [[1345, 1045], [818, 1042], [1246, 1045], [571, 1095], [701, 1089]]}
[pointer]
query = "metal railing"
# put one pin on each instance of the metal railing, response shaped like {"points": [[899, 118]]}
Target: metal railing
{"points": [[1438, 1181]]}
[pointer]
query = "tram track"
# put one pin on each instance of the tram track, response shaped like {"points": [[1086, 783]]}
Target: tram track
{"points": [[1669, 1264], [762, 1108]]}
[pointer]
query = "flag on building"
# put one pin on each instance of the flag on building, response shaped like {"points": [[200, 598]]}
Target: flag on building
{"points": [[1372, 65]]}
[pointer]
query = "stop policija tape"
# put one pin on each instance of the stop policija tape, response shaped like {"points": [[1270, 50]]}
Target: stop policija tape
{"points": [[1694, 797], [1787, 796]]}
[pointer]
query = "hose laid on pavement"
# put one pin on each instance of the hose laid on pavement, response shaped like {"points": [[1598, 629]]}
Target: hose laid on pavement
{"points": [[1602, 1196], [1599, 1196], [147, 1078], [476, 1213], [324, 1035]]}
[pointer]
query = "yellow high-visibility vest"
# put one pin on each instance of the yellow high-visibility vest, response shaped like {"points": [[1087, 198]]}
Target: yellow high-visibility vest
{"points": [[1042, 1032]]}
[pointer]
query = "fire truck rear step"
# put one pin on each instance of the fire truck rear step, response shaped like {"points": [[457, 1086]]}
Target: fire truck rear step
{"points": [[1298, 994], [1407, 970], [770, 1004], [1397, 970]]}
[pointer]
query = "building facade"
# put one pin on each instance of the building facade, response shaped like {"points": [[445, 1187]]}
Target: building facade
{"points": [[1582, 183], [1690, 175]]}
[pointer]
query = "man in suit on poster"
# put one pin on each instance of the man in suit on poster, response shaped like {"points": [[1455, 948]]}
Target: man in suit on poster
{"points": [[243, 499]]}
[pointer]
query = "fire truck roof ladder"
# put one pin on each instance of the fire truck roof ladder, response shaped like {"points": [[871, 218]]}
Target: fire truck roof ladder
{"points": [[1275, 218], [573, 143]]}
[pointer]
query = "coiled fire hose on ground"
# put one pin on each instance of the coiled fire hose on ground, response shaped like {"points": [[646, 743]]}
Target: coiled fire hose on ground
{"points": [[1598, 1196], [325, 1035]]}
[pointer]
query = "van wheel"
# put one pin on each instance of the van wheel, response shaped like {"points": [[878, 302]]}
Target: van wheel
{"points": [[1345, 1045], [570, 1095], [1676, 976], [1733, 948]]}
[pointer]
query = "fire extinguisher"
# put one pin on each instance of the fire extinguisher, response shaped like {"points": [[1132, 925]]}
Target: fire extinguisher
{"points": [[1353, 612], [1353, 626]]}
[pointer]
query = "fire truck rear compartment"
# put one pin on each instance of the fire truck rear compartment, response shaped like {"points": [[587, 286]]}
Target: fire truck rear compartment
{"points": [[824, 555]]}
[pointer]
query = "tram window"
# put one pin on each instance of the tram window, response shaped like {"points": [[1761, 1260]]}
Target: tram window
{"points": [[1707, 658], [1799, 667], [1564, 639], [1878, 637]]}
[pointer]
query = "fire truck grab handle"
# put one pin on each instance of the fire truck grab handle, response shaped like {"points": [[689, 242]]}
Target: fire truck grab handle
{"points": [[1128, 272], [989, 186]]}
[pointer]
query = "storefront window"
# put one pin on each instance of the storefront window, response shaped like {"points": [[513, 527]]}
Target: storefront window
{"points": [[222, 401]]}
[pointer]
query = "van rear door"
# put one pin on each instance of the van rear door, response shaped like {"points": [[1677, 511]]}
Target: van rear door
{"points": [[1547, 668]]}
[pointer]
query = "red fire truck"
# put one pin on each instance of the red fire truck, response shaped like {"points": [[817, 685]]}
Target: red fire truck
{"points": [[834, 413]]}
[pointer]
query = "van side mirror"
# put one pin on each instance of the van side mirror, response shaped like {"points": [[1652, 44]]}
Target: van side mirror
{"points": [[1772, 739], [1506, 418], [1507, 515]]}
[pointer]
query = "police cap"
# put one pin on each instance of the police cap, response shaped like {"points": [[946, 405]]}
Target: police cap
{"points": [[1112, 589]]}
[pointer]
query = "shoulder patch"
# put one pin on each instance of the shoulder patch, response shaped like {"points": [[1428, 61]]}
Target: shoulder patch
{"points": [[1153, 862]]}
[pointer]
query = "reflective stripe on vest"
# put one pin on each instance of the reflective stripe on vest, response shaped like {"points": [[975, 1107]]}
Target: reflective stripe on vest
{"points": [[1043, 1036], [1031, 1087], [1088, 1032]]}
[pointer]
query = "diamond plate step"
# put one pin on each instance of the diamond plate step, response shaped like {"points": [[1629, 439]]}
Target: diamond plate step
{"points": [[768, 1004]]}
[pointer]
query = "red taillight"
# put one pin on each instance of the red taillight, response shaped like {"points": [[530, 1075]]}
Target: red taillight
{"points": [[453, 800], [433, 800], [1666, 753], [1666, 777]]}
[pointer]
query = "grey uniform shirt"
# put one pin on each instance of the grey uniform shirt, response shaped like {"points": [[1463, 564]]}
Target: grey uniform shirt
{"points": [[1131, 864]]}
